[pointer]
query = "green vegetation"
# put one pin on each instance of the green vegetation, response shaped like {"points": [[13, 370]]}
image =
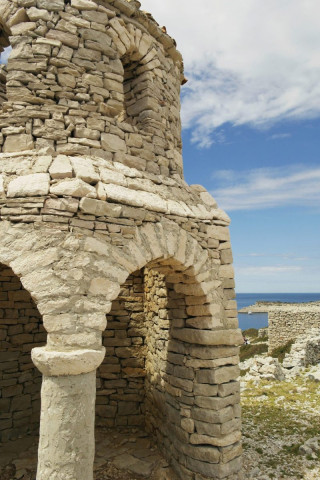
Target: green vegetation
{"points": [[279, 417], [250, 332], [248, 351], [280, 352]]}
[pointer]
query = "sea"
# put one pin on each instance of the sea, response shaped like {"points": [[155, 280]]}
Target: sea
{"points": [[260, 320]]}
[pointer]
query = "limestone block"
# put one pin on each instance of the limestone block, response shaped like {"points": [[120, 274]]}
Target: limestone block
{"points": [[145, 103], [210, 470], [205, 453], [35, 14], [27, 263], [61, 167], [18, 143], [213, 416], [20, 16], [51, 5], [23, 28], [68, 323], [219, 375], [64, 37], [65, 204], [222, 441], [111, 176], [99, 208], [97, 246], [226, 271], [208, 199], [84, 5], [226, 256], [103, 286], [76, 362], [84, 169], [219, 233], [82, 132], [113, 143], [124, 195], [31, 185], [74, 187], [66, 80], [206, 337]]}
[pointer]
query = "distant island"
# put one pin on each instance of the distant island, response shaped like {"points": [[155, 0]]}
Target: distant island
{"points": [[265, 306]]}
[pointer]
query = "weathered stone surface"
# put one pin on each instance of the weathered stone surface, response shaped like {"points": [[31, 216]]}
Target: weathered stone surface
{"points": [[84, 169], [205, 337], [99, 208], [113, 143], [29, 185], [74, 187], [109, 232], [51, 5], [61, 167], [18, 143]]}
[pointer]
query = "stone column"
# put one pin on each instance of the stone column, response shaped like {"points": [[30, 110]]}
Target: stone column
{"points": [[66, 445]]}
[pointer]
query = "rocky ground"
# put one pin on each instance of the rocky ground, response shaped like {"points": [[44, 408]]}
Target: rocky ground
{"points": [[281, 419], [122, 454], [281, 433]]}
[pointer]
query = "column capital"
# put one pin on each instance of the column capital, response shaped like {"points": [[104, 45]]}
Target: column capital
{"points": [[62, 363]]}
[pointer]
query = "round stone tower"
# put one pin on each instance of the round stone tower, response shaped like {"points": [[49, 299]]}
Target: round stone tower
{"points": [[126, 266]]}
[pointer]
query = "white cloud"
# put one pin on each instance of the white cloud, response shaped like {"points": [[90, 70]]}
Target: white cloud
{"points": [[280, 136], [267, 270], [267, 188], [250, 62], [284, 256]]}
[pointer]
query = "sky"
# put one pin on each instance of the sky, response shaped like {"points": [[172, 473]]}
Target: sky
{"points": [[251, 121]]}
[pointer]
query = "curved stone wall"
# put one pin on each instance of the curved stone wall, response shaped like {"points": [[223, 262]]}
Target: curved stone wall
{"points": [[92, 78], [21, 330], [91, 192]]}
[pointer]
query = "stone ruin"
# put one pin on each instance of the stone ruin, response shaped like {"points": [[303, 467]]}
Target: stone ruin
{"points": [[114, 272]]}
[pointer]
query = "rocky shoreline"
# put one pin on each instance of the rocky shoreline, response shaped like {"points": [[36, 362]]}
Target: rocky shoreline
{"points": [[265, 307]]}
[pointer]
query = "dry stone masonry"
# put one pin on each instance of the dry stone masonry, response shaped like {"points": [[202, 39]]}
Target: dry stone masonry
{"points": [[291, 321], [109, 259]]}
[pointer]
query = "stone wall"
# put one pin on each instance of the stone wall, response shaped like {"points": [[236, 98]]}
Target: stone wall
{"points": [[290, 322], [21, 329], [93, 79], [91, 192], [121, 388]]}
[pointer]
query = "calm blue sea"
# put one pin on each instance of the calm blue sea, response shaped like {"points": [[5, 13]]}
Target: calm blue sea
{"points": [[259, 320]]}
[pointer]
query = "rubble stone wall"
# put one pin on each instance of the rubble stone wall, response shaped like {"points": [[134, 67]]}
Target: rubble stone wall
{"points": [[291, 323], [92, 79], [121, 386], [21, 329], [96, 220]]}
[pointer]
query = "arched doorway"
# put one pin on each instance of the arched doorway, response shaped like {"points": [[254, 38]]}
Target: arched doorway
{"points": [[155, 380], [21, 329]]}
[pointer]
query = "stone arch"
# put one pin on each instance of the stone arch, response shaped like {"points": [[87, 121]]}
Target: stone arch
{"points": [[200, 375], [21, 330]]}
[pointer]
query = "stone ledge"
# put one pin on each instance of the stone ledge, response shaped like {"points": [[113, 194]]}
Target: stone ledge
{"points": [[76, 362]]}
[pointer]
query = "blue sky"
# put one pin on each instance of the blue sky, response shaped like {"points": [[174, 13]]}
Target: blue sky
{"points": [[251, 120]]}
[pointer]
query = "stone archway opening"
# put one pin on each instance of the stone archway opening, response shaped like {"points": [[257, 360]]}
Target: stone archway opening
{"points": [[131, 380], [21, 329], [153, 382]]}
